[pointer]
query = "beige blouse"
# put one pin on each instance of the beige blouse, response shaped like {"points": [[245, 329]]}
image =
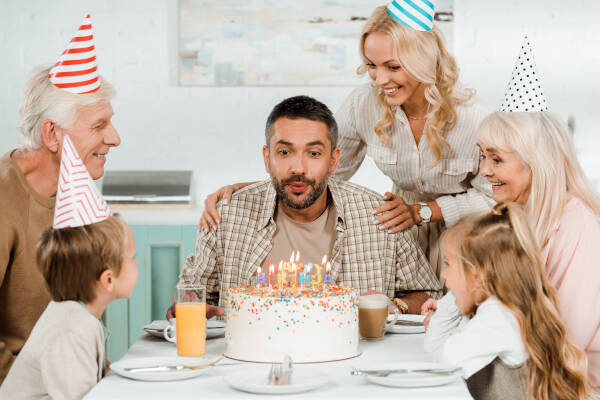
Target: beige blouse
{"points": [[454, 183]]}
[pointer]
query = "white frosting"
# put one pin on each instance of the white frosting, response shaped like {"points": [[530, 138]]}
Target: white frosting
{"points": [[311, 326]]}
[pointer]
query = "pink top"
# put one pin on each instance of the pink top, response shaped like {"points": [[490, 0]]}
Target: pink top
{"points": [[572, 259]]}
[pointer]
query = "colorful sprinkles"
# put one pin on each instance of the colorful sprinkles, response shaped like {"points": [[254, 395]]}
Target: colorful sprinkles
{"points": [[297, 302]]}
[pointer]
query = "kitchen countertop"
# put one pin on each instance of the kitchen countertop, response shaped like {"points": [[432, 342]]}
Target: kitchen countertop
{"points": [[159, 214]]}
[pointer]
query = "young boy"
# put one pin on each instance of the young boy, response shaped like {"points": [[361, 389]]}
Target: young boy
{"points": [[88, 260], [85, 268]]}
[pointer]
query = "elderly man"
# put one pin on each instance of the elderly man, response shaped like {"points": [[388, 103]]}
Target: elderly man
{"points": [[53, 104], [303, 208]]}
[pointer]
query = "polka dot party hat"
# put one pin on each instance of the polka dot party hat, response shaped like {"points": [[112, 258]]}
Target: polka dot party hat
{"points": [[524, 93]]}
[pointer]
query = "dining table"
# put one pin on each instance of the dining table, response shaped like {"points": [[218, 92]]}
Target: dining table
{"points": [[392, 349]]}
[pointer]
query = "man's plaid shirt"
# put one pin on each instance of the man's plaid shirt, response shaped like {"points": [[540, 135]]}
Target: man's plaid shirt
{"points": [[363, 256]]}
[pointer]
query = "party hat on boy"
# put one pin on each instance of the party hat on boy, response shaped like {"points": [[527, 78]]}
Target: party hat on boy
{"points": [[524, 92], [78, 202], [76, 71], [416, 14]]}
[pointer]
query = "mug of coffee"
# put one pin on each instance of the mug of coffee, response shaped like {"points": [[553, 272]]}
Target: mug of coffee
{"points": [[169, 331], [373, 310], [188, 329]]}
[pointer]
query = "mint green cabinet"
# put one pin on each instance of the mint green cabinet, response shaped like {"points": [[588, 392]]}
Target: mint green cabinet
{"points": [[161, 251]]}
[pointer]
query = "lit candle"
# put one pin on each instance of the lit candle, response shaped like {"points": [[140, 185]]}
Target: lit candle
{"points": [[317, 279], [307, 274], [286, 269], [328, 279], [281, 279], [260, 277], [304, 279], [271, 269], [298, 261]]}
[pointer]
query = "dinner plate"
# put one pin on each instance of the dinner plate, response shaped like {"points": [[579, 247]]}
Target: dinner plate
{"points": [[119, 368], [415, 379], [409, 318], [214, 328], [254, 380]]}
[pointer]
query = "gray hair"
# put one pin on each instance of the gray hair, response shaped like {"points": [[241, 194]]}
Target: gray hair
{"points": [[542, 141], [42, 100]]}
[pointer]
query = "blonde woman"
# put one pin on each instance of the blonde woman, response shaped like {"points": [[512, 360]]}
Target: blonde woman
{"points": [[514, 346], [419, 128], [529, 158]]}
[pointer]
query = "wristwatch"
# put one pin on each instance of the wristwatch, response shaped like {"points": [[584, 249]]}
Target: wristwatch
{"points": [[425, 213]]}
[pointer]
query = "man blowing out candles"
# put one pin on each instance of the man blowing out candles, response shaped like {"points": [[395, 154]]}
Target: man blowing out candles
{"points": [[303, 208]]}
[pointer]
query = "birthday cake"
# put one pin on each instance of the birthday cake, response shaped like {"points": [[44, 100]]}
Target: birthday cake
{"points": [[311, 324]]}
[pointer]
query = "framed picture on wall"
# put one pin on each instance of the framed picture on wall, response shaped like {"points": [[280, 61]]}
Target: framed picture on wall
{"points": [[273, 43]]}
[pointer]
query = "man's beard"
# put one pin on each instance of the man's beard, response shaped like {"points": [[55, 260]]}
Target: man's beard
{"points": [[317, 189]]}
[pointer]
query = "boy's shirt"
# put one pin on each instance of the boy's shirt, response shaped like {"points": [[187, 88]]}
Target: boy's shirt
{"points": [[62, 358]]}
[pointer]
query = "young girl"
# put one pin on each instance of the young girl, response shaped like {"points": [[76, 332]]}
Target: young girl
{"points": [[514, 345], [85, 268]]}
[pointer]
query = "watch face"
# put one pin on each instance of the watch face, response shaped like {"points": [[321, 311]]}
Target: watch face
{"points": [[425, 212]]}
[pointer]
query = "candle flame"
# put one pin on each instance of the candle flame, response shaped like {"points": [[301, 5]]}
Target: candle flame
{"points": [[328, 268], [258, 270], [324, 260], [271, 268], [280, 264], [297, 256], [292, 258]]}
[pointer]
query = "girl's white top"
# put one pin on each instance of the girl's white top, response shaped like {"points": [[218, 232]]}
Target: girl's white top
{"points": [[474, 343]]}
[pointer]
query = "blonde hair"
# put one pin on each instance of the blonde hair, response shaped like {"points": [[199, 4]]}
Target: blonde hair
{"points": [[499, 246], [72, 259], [424, 56], [542, 141], [42, 100]]}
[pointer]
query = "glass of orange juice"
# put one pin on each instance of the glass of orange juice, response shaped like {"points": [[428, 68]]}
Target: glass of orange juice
{"points": [[190, 313]]}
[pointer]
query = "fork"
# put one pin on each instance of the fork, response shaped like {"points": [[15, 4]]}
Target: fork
{"points": [[274, 374], [385, 372]]}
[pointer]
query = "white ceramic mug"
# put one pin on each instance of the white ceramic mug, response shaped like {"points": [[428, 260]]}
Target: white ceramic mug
{"points": [[170, 331]]}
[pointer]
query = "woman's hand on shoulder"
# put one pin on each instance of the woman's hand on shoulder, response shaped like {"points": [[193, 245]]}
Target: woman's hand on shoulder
{"points": [[210, 217], [394, 215]]}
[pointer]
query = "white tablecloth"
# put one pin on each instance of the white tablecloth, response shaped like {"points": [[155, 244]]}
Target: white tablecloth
{"points": [[211, 385]]}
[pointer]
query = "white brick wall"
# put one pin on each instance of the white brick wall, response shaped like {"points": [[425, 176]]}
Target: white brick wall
{"points": [[218, 131], [566, 40]]}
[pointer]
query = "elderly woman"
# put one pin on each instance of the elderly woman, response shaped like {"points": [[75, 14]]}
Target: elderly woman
{"points": [[417, 125], [529, 158]]}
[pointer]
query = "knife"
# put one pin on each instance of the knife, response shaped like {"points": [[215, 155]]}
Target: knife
{"points": [[165, 368], [386, 372], [409, 323]]}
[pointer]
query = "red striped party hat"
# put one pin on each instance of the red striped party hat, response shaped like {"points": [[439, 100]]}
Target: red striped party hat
{"points": [[78, 202], [77, 71]]}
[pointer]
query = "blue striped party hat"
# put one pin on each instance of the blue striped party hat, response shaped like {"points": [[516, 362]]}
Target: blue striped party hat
{"points": [[416, 14]]}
